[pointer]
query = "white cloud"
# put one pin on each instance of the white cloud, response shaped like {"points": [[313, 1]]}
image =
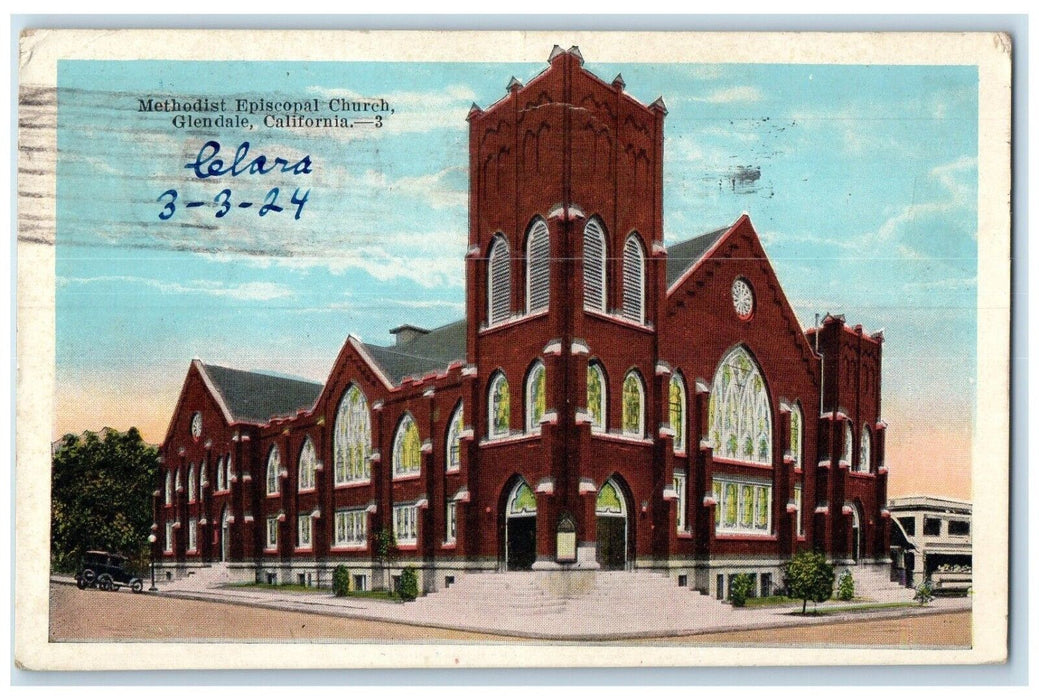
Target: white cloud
{"points": [[736, 93], [248, 291]]}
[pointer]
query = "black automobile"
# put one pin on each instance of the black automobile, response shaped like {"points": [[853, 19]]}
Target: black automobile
{"points": [[106, 571]]}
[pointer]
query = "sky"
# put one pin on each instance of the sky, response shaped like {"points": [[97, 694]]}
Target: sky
{"points": [[861, 181]]}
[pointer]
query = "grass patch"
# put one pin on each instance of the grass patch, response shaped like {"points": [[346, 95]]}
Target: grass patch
{"points": [[378, 595], [856, 608], [770, 600], [282, 587]]}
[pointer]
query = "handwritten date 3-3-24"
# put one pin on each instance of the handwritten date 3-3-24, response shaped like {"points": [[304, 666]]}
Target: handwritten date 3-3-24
{"points": [[208, 164]]}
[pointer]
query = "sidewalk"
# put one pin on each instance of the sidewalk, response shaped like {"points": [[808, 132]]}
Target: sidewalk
{"points": [[641, 619]]}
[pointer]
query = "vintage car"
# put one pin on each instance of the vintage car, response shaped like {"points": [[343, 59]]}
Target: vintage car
{"points": [[106, 571]]}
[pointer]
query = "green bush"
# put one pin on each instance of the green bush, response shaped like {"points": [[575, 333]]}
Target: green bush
{"points": [[740, 589], [924, 593], [340, 580], [808, 576], [407, 587], [845, 586]]}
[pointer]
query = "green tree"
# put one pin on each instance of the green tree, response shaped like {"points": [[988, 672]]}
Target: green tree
{"points": [[341, 580], [101, 496], [407, 588], [808, 576], [742, 585], [845, 586]]}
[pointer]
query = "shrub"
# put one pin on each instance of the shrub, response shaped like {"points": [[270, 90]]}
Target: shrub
{"points": [[808, 576], [845, 586], [740, 589], [407, 588], [924, 593], [340, 580]]}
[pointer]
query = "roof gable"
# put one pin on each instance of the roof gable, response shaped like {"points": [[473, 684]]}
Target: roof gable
{"points": [[684, 255], [256, 397], [425, 353]]}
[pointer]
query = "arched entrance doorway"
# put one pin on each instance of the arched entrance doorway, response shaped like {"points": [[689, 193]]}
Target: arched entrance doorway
{"points": [[225, 536], [521, 528], [611, 527]]}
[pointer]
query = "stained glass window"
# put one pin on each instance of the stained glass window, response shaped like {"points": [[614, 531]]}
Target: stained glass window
{"points": [[407, 448], [169, 489], [608, 502], [405, 524], [680, 489], [498, 406], [535, 397], [676, 405], [272, 533], [743, 507], [450, 522], [597, 396], [739, 412], [632, 405], [352, 442], [303, 532], [848, 439], [454, 440], [351, 528], [307, 465], [796, 422], [522, 501], [273, 467], [192, 494]]}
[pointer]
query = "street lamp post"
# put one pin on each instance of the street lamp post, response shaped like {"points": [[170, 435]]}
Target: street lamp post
{"points": [[151, 539]]}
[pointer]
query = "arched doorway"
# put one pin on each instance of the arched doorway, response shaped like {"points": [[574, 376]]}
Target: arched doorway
{"points": [[225, 536], [611, 527], [521, 528]]}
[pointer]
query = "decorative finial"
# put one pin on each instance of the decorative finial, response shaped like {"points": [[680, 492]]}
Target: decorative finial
{"points": [[659, 104], [618, 82], [576, 52], [556, 52], [514, 84]]}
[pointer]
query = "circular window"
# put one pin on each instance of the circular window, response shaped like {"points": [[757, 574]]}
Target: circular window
{"points": [[742, 298], [196, 425]]}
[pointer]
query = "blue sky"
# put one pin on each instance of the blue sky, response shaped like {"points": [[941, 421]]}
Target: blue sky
{"points": [[866, 204]]}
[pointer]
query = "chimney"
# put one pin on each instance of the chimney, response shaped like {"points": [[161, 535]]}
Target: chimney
{"points": [[406, 333]]}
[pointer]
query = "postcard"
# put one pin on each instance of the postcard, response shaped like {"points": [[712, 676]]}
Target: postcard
{"points": [[468, 349]]}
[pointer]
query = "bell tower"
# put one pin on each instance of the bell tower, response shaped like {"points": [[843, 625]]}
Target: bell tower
{"points": [[562, 161]]}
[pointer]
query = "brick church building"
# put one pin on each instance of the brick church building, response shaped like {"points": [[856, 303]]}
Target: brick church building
{"points": [[608, 402]]}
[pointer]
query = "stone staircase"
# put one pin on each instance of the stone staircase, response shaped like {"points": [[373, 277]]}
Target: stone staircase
{"points": [[573, 603], [200, 578], [873, 581]]}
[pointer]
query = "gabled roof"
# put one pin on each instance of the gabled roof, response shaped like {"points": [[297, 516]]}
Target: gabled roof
{"points": [[425, 353], [256, 397], [682, 256]]}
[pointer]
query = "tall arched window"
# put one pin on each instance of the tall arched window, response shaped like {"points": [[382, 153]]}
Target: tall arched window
{"points": [[677, 412], [848, 439], [307, 465], [739, 413], [634, 297], [535, 397], [168, 500], [221, 475], [192, 484], [537, 267], [352, 441], [498, 406], [633, 405], [499, 282], [796, 435], [594, 266], [865, 449], [597, 396], [407, 448], [273, 467], [454, 440]]}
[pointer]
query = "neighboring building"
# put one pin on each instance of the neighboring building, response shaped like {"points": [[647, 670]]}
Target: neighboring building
{"points": [[607, 401], [931, 541]]}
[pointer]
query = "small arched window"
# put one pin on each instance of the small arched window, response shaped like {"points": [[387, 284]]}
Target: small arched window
{"points": [[407, 448], [499, 282], [498, 406], [796, 435], [537, 267], [307, 465], [597, 396], [192, 484], [352, 439], [454, 440], [865, 450], [535, 397], [594, 266], [634, 298], [273, 467], [633, 405], [848, 439], [677, 410]]}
